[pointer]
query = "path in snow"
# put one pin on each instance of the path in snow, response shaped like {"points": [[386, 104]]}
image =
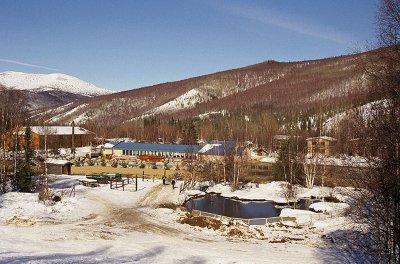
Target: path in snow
{"points": [[159, 195], [126, 215]]}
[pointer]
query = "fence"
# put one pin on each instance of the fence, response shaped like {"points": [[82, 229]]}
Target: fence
{"points": [[253, 221]]}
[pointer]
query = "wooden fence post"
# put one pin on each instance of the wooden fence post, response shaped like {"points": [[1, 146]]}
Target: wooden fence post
{"points": [[136, 182]]}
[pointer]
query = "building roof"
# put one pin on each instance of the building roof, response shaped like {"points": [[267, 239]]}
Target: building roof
{"points": [[108, 145], [157, 147], [281, 137], [322, 138], [59, 130], [58, 162], [220, 148]]}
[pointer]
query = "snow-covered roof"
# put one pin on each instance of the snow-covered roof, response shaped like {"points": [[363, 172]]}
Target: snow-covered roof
{"points": [[58, 161], [220, 148], [208, 147], [106, 146], [322, 138], [59, 130], [281, 137], [268, 159]]}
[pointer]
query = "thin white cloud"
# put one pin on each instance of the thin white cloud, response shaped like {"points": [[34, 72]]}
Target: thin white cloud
{"points": [[286, 21], [27, 64]]}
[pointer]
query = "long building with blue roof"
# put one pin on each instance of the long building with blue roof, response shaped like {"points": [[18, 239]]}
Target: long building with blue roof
{"points": [[164, 150]]}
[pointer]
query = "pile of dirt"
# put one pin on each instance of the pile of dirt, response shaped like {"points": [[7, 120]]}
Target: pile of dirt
{"points": [[231, 228], [201, 221], [235, 232], [21, 221], [169, 206], [240, 230]]}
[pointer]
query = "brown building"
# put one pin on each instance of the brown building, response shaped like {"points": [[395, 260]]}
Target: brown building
{"points": [[321, 145], [55, 166], [59, 137]]}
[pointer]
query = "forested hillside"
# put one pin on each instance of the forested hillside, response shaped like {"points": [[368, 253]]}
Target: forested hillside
{"points": [[254, 102]]}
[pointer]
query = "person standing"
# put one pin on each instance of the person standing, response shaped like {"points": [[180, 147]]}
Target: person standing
{"points": [[163, 179], [173, 184]]}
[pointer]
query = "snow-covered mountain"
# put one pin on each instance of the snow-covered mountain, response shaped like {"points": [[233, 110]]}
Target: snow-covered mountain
{"points": [[50, 89]]}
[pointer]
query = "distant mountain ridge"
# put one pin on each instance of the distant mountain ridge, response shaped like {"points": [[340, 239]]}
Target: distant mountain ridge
{"points": [[282, 86], [274, 96], [53, 89]]}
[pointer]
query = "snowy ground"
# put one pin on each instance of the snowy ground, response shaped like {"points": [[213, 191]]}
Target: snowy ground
{"points": [[100, 225], [274, 191]]}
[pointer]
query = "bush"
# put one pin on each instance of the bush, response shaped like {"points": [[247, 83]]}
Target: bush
{"points": [[124, 164], [154, 167], [142, 166], [114, 164], [77, 163], [90, 162], [103, 163]]}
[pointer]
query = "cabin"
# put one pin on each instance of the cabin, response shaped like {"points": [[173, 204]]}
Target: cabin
{"points": [[261, 152], [218, 150], [58, 137], [55, 166], [154, 152], [321, 145]]}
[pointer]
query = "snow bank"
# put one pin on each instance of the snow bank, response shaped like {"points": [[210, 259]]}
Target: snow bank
{"points": [[273, 191], [331, 224], [324, 207], [303, 217], [344, 194], [27, 206]]}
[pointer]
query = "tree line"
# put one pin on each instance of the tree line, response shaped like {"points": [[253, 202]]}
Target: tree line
{"points": [[16, 157]]}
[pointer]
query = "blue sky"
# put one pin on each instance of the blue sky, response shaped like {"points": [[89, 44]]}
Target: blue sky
{"points": [[123, 44]]}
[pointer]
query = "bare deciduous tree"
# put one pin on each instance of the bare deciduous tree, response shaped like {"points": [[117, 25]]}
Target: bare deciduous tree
{"points": [[13, 115], [378, 208]]}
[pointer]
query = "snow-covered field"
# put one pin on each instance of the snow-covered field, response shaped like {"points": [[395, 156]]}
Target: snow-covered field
{"points": [[100, 225]]}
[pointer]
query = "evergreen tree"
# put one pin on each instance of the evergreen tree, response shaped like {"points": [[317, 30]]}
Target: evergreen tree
{"points": [[24, 174], [280, 167]]}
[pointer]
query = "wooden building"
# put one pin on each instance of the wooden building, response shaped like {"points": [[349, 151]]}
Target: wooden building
{"points": [[321, 145], [59, 137], [55, 166]]}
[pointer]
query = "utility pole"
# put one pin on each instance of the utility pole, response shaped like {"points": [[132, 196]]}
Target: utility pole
{"points": [[73, 140]]}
